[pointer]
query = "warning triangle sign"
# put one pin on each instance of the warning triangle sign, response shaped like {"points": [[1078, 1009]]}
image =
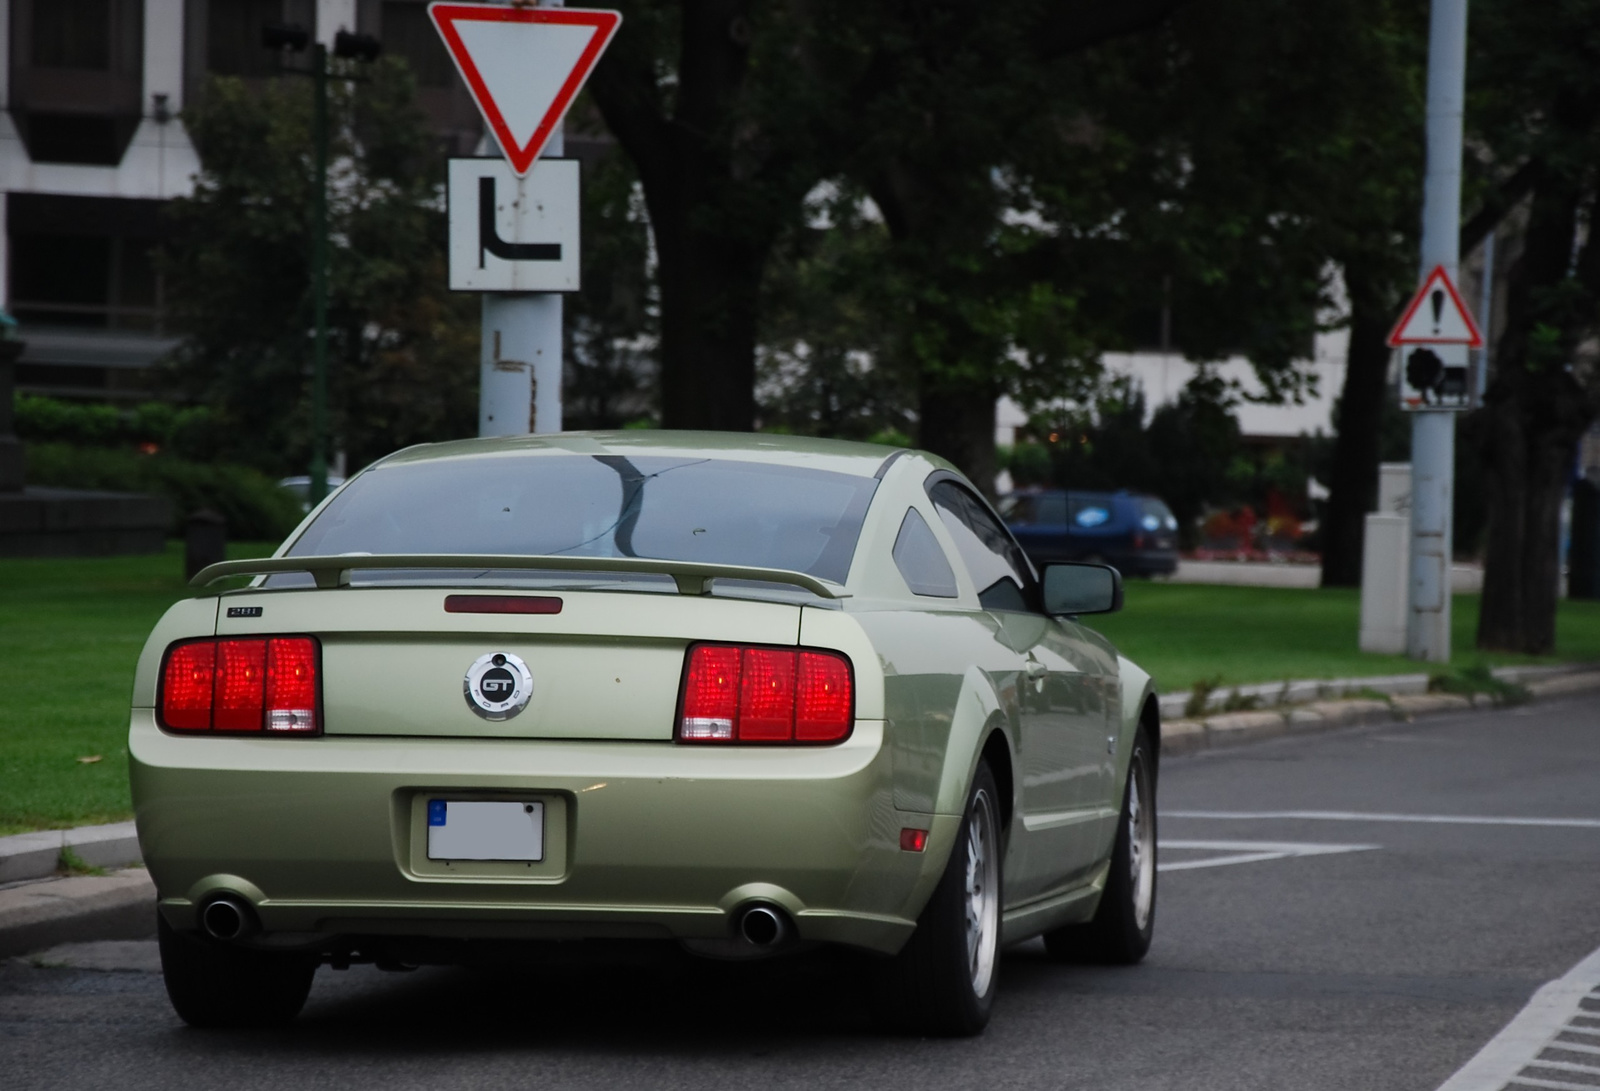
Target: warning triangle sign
{"points": [[524, 66], [1436, 316]]}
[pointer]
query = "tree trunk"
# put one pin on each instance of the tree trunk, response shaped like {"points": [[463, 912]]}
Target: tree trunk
{"points": [[710, 308], [956, 421], [1354, 479], [1537, 411], [1534, 423]]}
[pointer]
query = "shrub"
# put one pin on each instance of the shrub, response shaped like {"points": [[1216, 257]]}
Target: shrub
{"points": [[252, 503], [191, 432]]}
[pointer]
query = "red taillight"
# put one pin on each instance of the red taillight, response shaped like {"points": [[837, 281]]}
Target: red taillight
{"points": [[186, 686], [292, 684], [260, 684], [765, 695], [241, 680], [822, 711]]}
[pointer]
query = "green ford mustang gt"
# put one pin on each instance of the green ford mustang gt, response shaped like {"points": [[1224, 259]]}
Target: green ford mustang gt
{"points": [[747, 693]]}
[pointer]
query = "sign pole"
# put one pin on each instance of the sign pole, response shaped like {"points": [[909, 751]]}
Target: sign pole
{"points": [[519, 361], [513, 225], [318, 487], [1433, 431]]}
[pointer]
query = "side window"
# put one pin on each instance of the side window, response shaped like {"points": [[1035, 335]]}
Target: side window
{"points": [[997, 567], [1090, 511], [921, 561]]}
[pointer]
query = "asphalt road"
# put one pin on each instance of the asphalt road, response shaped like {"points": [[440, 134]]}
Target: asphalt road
{"points": [[1345, 950]]}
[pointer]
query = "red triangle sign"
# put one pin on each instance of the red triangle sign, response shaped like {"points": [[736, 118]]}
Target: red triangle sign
{"points": [[1436, 316], [523, 65]]}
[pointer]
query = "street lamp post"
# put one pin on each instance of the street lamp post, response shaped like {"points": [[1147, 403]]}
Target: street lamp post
{"points": [[346, 46], [319, 276]]}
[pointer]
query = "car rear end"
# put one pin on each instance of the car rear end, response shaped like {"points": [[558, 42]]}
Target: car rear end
{"points": [[443, 751]]}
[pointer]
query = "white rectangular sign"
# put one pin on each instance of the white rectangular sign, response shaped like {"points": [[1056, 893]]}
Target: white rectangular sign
{"points": [[510, 234]]}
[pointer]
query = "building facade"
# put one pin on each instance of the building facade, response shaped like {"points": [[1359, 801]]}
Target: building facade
{"points": [[92, 146]]}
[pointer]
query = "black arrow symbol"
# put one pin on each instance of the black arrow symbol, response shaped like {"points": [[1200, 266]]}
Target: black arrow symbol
{"points": [[489, 234]]}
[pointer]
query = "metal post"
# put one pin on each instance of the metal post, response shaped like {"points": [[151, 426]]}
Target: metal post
{"points": [[319, 277], [519, 361], [1432, 431]]}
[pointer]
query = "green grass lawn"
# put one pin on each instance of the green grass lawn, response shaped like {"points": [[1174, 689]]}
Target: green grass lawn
{"points": [[71, 630], [1185, 633], [70, 634]]}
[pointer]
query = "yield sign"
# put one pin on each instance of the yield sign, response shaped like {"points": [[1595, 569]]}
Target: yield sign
{"points": [[524, 66], [1436, 316]]}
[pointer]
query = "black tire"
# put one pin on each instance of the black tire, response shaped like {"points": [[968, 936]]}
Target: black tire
{"points": [[1120, 933], [938, 984], [214, 984]]}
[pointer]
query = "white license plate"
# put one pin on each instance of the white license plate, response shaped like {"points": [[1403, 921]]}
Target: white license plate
{"points": [[476, 830]]}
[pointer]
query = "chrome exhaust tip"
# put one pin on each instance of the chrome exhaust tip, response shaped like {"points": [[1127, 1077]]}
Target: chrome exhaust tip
{"points": [[228, 918], [764, 926]]}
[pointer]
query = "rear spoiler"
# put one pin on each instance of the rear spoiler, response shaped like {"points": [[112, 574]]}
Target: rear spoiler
{"points": [[691, 577]]}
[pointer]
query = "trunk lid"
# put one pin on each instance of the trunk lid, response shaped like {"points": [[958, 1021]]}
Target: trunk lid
{"points": [[607, 666]]}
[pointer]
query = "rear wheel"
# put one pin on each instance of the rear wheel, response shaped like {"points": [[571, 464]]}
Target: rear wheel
{"points": [[943, 981], [213, 984], [1125, 920]]}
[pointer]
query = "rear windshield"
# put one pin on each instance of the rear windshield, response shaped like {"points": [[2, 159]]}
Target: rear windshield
{"points": [[708, 510]]}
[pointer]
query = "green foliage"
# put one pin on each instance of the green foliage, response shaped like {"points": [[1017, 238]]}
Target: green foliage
{"points": [[73, 864], [611, 328], [825, 366], [191, 432], [402, 348], [251, 502], [1475, 679]]}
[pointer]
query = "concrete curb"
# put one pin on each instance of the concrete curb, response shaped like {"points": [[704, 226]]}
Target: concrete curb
{"points": [[38, 915], [1174, 705], [38, 855], [1184, 736]]}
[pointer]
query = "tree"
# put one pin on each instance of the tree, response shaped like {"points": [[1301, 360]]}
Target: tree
{"points": [[1534, 114], [610, 328], [733, 110], [714, 102], [402, 348]]}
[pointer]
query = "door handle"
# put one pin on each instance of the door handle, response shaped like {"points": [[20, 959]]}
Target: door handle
{"points": [[1036, 669]]}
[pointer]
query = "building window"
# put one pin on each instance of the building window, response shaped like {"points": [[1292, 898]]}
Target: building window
{"points": [[233, 37], [72, 34], [85, 262]]}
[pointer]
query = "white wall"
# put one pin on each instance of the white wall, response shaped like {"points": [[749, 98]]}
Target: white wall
{"points": [[334, 16], [1164, 375]]}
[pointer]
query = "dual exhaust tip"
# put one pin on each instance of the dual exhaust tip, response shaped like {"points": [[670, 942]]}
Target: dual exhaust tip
{"points": [[763, 925], [228, 918]]}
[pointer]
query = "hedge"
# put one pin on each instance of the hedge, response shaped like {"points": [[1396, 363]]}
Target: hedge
{"points": [[255, 508]]}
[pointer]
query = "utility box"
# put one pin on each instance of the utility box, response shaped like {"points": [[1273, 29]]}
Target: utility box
{"points": [[1386, 563]]}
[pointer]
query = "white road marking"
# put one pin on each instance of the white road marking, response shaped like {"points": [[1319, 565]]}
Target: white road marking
{"points": [[1552, 1012], [1249, 852], [1568, 1066], [1363, 816]]}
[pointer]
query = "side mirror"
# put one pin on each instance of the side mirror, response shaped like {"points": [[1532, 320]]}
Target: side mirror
{"points": [[1071, 588]]}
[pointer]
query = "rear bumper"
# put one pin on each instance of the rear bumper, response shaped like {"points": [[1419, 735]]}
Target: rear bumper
{"points": [[324, 836]]}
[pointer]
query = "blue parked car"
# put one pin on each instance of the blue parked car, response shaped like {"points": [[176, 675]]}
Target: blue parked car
{"points": [[1135, 534]]}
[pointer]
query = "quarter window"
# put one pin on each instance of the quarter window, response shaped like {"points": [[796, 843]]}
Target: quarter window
{"points": [[997, 566], [921, 561]]}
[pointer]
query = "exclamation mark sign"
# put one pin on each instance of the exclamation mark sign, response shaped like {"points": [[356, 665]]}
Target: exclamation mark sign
{"points": [[1437, 299]]}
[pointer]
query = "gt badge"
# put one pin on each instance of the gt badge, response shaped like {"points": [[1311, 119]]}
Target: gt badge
{"points": [[497, 686]]}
